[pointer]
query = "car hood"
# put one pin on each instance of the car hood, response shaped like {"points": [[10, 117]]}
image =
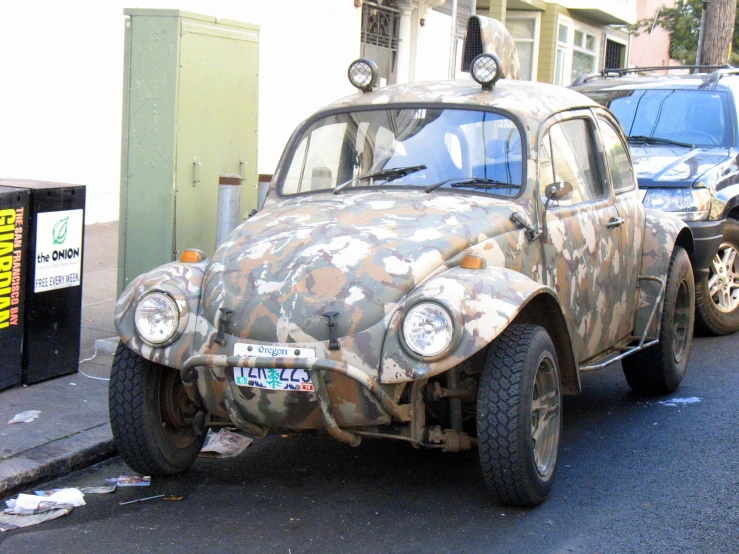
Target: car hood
{"points": [[673, 166], [356, 254]]}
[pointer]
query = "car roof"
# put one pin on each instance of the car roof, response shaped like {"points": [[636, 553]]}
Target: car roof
{"points": [[632, 81], [531, 102]]}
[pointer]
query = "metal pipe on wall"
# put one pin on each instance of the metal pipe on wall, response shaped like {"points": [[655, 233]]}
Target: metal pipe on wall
{"points": [[229, 204]]}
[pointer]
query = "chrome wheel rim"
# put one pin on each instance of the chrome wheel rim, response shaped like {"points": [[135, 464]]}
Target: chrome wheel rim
{"points": [[723, 278], [681, 321], [545, 414]]}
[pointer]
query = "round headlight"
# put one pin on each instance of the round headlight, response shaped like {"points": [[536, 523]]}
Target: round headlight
{"points": [[486, 69], [363, 74], [428, 329], [156, 317]]}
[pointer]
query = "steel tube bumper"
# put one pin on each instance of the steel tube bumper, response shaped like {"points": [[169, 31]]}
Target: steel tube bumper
{"points": [[316, 365]]}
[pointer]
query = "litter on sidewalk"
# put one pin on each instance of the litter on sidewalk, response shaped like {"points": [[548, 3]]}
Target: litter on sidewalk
{"points": [[99, 490], [130, 481], [25, 417], [32, 509], [224, 444]]}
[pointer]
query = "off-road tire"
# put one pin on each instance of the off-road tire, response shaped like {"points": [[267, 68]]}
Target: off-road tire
{"points": [[504, 415], [709, 319], [660, 368], [142, 436]]}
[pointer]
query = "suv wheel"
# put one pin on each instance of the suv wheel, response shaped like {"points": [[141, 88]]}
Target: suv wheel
{"points": [[660, 368], [519, 418], [717, 296], [151, 416]]}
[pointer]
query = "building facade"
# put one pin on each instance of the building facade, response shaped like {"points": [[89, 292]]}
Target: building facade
{"points": [[559, 41]]}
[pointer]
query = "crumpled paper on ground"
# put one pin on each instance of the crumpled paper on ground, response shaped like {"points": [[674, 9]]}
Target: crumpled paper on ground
{"points": [[24, 417], [224, 444], [46, 511], [28, 503], [32, 509]]}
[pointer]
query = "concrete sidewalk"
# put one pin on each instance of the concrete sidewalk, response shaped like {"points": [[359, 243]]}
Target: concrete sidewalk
{"points": [[72, 430]]}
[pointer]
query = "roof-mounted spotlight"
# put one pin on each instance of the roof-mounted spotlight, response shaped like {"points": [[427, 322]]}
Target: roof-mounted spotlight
{"points": [[363, 74], [486, 69]]}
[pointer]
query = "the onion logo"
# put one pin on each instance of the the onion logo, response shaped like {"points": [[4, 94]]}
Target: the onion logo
{"points": [[59, 232]]}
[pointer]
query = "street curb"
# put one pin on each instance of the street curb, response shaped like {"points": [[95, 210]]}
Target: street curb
{"points": [[108, 346], [55, 459]]}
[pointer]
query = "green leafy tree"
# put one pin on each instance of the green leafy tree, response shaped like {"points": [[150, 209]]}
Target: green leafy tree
{"points": [[682, 22]]}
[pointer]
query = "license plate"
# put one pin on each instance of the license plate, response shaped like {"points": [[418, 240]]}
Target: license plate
{"points": [[272, 378]]}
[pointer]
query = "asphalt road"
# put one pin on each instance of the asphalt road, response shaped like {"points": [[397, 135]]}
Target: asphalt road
{"points": [[636, 474]]}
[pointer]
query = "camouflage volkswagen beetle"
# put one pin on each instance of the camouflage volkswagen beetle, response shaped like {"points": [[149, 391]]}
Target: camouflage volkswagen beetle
{"points": [[436, 263]]}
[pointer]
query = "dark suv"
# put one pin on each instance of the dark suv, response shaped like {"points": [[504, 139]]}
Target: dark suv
{"points": [[682, 130]]}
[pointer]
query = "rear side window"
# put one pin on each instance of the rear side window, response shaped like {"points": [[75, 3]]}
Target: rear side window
{"points": [[573, 160], [622, 174]]}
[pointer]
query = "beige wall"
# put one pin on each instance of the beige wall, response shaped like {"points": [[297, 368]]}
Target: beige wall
{"points": [[650, 49]]}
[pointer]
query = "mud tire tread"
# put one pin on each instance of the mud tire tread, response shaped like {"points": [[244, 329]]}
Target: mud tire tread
{"points": [[652, 371], [502, 460], [130, 378]]}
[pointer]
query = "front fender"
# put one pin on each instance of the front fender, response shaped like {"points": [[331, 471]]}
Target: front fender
{"points": [[485, 302], [183, 282], [662, 232]]}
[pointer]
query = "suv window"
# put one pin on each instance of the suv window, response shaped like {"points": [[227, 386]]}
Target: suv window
{"points": [[692, 116], [568, 154], [622, 174]]}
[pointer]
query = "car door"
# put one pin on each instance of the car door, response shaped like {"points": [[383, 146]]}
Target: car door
{"points": [[631, 220], [579, 245]]}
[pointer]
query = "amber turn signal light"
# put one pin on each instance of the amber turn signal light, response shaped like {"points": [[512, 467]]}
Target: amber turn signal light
{"points": [[471, 261], [192, 256]]}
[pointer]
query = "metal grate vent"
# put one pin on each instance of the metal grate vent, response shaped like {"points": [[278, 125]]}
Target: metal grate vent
{"points": [[472, 43]]}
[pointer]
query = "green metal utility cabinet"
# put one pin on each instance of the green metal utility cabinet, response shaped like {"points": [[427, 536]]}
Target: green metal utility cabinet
{"points": [[189, 115]]}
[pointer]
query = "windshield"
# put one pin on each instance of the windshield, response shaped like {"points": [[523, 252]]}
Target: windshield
{"points": [[450, 149], [691, 117]]}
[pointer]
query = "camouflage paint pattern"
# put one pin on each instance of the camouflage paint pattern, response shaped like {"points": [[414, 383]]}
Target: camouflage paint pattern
{"points": [[369, 255], [497, 40], [483, 302], [660, 234]]}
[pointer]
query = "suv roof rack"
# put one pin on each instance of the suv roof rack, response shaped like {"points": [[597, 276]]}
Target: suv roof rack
{"points": [[622, 71], [724, 71]]}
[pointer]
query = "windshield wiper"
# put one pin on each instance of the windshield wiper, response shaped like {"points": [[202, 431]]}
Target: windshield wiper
{"points": [[474, 182], [658, 140], [386, 174]]}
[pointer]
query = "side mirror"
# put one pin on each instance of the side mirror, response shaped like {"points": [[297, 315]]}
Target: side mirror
{"points": [[558, 191]]}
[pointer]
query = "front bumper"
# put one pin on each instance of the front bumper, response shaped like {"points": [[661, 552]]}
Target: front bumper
{"points": [[707, 237], [218, 366]]}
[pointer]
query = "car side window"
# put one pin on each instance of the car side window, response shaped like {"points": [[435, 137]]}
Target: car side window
{"points": [[622, 173], [569, 150]]}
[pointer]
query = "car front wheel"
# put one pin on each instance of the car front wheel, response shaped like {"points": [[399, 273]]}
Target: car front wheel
{"points": [[151, 416], [519, 417], [717, 296]]}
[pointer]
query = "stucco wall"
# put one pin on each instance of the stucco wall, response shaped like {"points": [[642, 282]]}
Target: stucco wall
{"points": [[650, 49], [61, 71]]}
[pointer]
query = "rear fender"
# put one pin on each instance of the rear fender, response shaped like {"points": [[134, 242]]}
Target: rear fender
{"points": [[662, 232], [482, 302]]}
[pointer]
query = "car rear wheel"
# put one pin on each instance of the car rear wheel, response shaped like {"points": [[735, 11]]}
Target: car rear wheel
{"points": [[717, 296], [519, 415], [151, 416], [660, 368]]}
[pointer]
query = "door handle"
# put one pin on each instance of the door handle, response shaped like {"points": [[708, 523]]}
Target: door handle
{"points": [[615, 222]]}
